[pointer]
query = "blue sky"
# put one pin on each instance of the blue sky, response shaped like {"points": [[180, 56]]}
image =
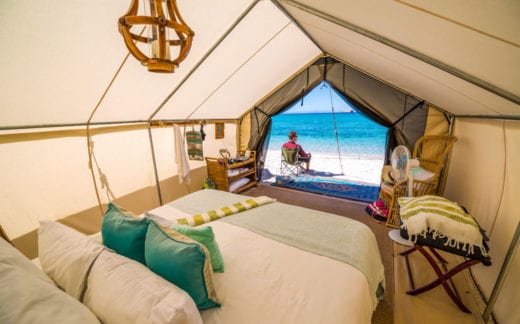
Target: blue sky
{"points": [[318, 101]]}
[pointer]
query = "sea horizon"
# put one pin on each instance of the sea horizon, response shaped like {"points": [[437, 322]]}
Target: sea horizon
{"points": [[357, 135], [361, 145]]}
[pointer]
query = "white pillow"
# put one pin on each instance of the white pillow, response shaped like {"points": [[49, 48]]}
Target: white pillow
{"points": [[166, 215], [120, 290], [66, 256], [27, 295]]}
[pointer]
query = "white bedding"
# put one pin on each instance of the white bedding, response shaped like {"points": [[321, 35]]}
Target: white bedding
{"points": [[266, 281], [270, 282]]}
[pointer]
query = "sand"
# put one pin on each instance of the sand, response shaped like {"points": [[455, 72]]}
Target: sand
{"points": [[365, 169]]}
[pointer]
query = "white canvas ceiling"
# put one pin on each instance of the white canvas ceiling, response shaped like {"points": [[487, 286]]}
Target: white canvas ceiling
{"points": [[484, 49], [61, 60]]}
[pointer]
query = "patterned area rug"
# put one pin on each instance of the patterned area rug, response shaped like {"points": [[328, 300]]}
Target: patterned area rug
{"points": [[330, 187]]}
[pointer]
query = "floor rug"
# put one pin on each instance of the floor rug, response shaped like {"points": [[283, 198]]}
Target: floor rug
{"points": [[330, 187]]}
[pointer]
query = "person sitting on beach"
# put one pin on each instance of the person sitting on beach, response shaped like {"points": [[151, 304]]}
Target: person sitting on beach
{"points": [[291, 144]]}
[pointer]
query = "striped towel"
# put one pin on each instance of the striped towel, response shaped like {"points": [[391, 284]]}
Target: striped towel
{"points": [[442, 218], [225, 211]]}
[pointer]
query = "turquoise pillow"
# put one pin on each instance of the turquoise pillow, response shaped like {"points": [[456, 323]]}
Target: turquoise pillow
{"points": [[182, 261], [204, 235], [124, 233]]}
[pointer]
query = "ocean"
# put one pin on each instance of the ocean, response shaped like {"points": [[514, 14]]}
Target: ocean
{"points": [[359, 137]]}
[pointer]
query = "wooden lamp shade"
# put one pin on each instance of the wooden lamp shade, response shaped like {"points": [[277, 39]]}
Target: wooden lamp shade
{"points": [[163, 21]]}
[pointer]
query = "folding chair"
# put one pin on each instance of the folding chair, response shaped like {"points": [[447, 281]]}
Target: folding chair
{"points": [[291, 164]]}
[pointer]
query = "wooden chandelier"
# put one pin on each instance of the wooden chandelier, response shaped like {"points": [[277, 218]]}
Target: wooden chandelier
{"points": [[161, 23]]}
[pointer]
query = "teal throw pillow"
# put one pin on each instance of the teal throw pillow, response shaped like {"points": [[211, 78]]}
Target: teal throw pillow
{"points": [[124, 233], [182, 261], [204, 235]]}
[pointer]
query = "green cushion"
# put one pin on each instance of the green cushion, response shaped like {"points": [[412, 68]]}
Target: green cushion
{"points": [[204, 235], [124, 233], [182, 261]]}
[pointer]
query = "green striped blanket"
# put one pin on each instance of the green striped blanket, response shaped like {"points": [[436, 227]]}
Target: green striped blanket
{"points": [[442, 218], [231, 209]]}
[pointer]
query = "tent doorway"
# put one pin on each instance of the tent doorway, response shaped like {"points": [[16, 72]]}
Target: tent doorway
{"points": [[402, 115], [345, 144]]}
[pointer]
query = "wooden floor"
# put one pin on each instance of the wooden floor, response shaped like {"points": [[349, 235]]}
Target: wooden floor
{"points": [[396, 307]]}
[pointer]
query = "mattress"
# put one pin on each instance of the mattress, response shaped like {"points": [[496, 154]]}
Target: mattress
{"points": [[271, 280]]}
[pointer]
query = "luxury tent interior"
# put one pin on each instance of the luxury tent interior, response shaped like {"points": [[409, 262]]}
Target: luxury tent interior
{"points": [[83, 123]]}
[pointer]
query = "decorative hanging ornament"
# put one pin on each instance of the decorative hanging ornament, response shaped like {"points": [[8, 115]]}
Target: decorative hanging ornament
{"points": [[159, 24]]}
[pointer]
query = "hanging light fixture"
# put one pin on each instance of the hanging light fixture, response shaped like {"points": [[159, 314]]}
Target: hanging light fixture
{"points": [[159, 24]]}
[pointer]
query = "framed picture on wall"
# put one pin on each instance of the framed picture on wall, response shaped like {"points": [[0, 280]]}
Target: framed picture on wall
{"points": [[219, 130]]}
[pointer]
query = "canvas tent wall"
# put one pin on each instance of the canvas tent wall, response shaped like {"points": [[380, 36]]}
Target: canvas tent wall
{"points": [[61, 79], [48, 176], [62, 60]]}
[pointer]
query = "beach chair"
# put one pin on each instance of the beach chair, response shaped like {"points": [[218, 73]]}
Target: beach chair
{"points": [[291, 164]]}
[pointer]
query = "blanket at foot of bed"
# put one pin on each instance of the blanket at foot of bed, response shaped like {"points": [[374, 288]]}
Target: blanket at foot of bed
{"points": [[333, 236]]}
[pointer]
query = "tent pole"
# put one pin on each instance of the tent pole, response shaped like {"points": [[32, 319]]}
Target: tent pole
{"points": [[407, 50], [186, 77], [419, 104], [204, 58], [90, 143], [157, 184], [277, 4], [502, 274]]}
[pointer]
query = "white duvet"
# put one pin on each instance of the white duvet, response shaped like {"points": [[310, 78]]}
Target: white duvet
{"points": [[266, 281]]}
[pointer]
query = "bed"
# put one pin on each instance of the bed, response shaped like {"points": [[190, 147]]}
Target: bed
{"points": [[287, 264], [281, 264]]}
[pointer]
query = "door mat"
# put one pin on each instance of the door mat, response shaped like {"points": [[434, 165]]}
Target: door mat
{"points": [[330, 187]]}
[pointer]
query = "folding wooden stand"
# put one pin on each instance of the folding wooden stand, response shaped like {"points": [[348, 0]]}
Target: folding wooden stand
{"points": [[443, 275]]}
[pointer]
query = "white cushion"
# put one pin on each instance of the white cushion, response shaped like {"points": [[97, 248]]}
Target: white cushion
{"points": [[120, 290], [66, 256], [422, 174], [27, 295]]}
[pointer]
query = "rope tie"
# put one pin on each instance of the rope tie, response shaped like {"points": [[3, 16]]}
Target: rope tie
{"points": [[102, 176], [90, 143], [335, 129]]}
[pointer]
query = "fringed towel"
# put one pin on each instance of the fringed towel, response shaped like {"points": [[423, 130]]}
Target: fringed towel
{"points": [[443, 219], [225, 211], [181, 157]]}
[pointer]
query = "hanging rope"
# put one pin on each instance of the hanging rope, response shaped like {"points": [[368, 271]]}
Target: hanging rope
{"points": [[90, 146], [102, 176], [90, 142], [335, 129]]}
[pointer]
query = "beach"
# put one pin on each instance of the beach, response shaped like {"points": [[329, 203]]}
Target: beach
{"points": [[366, 169], [359, 142]]}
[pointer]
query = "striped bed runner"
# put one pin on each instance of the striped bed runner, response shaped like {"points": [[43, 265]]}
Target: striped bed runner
{"points": [[225, 211]]}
